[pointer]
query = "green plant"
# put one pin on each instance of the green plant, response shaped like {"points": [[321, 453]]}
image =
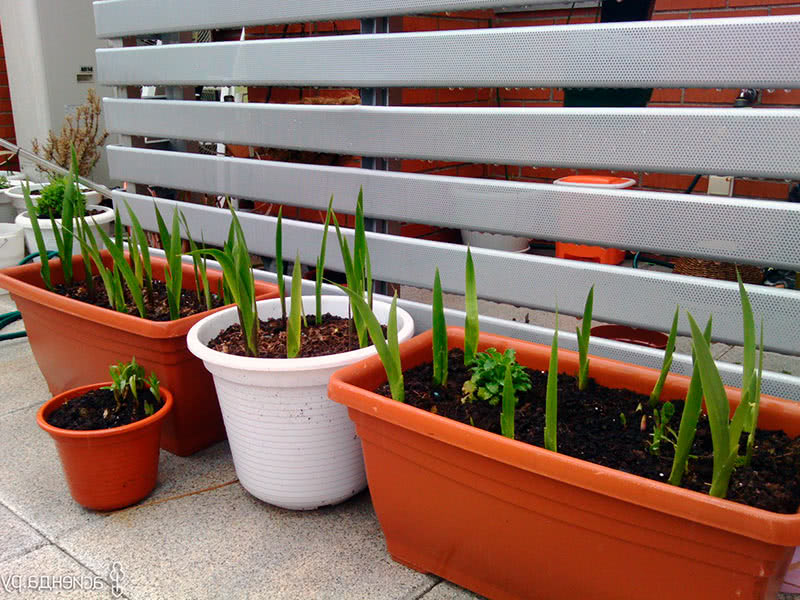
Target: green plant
{"points": [[37, 234], [127, 379], [751, 376], [487, 382], [439, 335], [691, 414], [4, 183], [279, 263], [662, 432], [388, 349], [471, 323], [234, 259], [51, 198], [200, 268], [583, 341], [173, 250], [357, 266], [551, 397], [655, 395], [509, 405], [321, 264], [293, 327]]}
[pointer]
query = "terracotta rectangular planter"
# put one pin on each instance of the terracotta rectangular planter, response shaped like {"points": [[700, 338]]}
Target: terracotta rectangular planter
{"points": [[74, 343], [510, 520]]}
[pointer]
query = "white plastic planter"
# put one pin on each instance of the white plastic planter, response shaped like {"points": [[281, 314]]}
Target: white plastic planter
{"points": [[495, 241], [105, 220], [7, 210], [18, 199], [12, 247], [292, 446]]}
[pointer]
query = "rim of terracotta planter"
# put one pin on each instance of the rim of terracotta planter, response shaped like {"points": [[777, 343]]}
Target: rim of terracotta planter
{"points": [[12, 280], [56, 401], [199, 332], [756, 523]]}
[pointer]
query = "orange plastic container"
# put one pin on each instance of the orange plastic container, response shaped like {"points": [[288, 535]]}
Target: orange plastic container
{"points": [[107, 469], [510, 520], [599, 254], [74, 342]]}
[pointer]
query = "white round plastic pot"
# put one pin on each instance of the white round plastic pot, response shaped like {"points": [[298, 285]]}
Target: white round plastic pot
{"points": [[292, 446], [495, 241], [18, 199], [12, 247], [7, 210], [104, 219]]}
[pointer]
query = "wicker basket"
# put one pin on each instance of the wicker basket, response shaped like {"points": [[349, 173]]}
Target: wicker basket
{"points": [[713, 269]]}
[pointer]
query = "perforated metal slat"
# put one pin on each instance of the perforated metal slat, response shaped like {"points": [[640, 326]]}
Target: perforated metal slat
{"points": [[629, 296], [735, 229], [760, 143], [688, 53], [118, 18]]}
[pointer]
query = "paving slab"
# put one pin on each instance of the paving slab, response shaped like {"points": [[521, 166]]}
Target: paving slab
{"points": [[450, 591], [20, 379], [226, 544], [46, 565], [779, 363], [16, 536]]}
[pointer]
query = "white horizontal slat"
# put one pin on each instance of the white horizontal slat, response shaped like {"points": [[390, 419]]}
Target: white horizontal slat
{"points": [[734, 229], [627, 296], [773, 384], [721, 52], [118, 18], [749, 142]]}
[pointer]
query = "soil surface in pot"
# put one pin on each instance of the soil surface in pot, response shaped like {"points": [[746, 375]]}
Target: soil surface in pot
{"points": [[89, 213], [156, 310], [333, 336], [603, 426], [97, 409]]}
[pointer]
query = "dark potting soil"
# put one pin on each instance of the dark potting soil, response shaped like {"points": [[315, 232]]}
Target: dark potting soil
{"points": [[97, 409], [333, 336], [590, 427], [89, 213], [156, 310]]}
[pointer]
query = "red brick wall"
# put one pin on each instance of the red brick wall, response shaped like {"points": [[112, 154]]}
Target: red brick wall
{"points": [[6, 118]]}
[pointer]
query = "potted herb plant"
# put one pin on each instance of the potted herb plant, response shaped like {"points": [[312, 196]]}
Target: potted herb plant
{"points": [[577, 476], [108, 434], [291, 446], [48, 210], [132, 303]]}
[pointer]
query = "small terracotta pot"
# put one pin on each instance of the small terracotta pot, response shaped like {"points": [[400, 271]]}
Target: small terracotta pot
{"points": [[107, 469], [510, 520], [58, 327]]}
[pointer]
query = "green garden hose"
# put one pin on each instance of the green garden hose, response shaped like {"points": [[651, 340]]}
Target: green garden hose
{"points": [[13, 316]]}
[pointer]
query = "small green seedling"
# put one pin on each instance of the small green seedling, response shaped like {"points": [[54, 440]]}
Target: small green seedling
{"points": [[489, 375], [751, 376], [662, 432], [439, 335], [655, 395], [293, 326], [691, 414], [321, 263], [551, 398], [471, 324], [388, 349], [127, 380], [509, 405], [238, 272], [583, 341]]}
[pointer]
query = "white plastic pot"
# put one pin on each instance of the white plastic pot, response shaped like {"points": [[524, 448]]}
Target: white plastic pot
{"points": [[7, 210], [18, 199], [291, 445], [12, 246], [495, 241], [105, 220]]}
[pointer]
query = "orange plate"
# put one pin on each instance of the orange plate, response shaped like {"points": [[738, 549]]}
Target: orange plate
{"points": [[75, 342], [510, 520]]}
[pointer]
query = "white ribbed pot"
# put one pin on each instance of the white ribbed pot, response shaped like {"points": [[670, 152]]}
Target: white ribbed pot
{"points": [[18, 199], [105, 220], [291, 445]]}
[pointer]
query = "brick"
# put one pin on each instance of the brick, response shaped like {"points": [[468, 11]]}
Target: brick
{"points": [[781, 97], [666, 95], [525, 94], [472, 171], [419, 24], [7, 132], [784, 10], [759, 2], [420, 96], [669, 16], [662, 5], [722, 14], [419, 166], [709, 96], [6, 119], [283, 95], [467, 14], [503, 171], [547, 173], [5, 104], [672, 182], [754, 188], [454, 24]]}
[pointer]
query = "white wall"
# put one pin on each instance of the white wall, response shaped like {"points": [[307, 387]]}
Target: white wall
{"points": [[46, 42]]}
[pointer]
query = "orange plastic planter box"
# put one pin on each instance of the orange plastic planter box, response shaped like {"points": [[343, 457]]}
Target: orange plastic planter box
{"points": [[75, 342], [107, 469], [510, 520]]}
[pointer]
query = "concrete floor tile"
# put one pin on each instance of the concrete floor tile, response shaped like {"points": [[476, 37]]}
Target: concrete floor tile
{"points": [[779, 363], [46, 564], [227, 544], [450, 591], [16, 536]]}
